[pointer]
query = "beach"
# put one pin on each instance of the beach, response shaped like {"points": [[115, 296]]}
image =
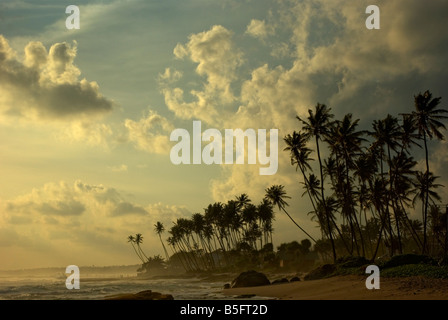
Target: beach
{"points": [[351, 287]]}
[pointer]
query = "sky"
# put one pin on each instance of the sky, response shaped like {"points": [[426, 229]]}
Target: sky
{"points": [[86, 114]]}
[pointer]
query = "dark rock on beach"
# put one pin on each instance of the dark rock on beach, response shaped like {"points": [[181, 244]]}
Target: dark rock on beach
{"points": [[142, 295], [250, 279], [321, 272], [294, 279], [282, 280]]}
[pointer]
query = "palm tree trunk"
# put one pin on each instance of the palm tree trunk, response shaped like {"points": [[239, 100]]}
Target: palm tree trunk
{"points": [[425, 215], [137, 253], [298, 225], [164, 249], [323, 199]]}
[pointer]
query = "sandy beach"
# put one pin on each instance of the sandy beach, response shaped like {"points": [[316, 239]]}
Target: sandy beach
{"points": [[351, 288]]}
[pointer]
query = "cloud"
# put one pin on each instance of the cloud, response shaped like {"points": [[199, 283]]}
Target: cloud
{"points": [[259, 29], [47, 85], [217, 59], [331, 58], [88, 132], [169, 76], [150, 133], [125, 208], [93, 220], [51, 199]]}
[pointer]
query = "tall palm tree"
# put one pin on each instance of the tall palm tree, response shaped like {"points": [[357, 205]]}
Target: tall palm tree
{"points": [[131, 239], [139, 240], [317, 124], [424, 191], [345, 143], [387, 135], [277, 195], [428, 121], [300, 156], [159, 229]]}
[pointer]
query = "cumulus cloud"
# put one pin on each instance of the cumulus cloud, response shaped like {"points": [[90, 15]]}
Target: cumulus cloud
{"points": [[64, 200], [88, 132], [46, 85], [332, 58], [169, 76], [92, 219], [150, 133], [217, 59], [259, 29]]}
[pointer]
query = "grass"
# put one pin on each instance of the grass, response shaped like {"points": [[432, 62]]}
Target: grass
{"points": [[399, 266], [416, 270]]}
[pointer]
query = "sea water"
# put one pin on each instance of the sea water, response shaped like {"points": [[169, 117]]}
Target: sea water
{"points": [[51, 286]]}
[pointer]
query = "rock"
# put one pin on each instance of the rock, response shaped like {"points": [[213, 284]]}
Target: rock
{"points": [[282, 280], [250, 279], [321, 272], [294, 279], [245, 296], [351, 262], [227, 286], [142, 295]]}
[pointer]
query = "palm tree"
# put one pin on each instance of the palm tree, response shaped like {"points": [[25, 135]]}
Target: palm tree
{"points": [[387, 134], [424, 191], [131, 239], [159, 229], [428, 121], [266, 217], [300, 156], [317, 124], [345, 143], [139, 240], [277, 195]]}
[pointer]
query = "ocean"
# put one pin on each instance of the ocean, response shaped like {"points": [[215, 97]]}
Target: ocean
{"points": [[98, 283]]}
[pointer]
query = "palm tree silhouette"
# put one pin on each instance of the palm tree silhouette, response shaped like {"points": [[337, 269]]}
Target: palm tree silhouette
{"points": [[277, 195], [317, 124], [428, 121], [159, 229], [131, 239], [139, 240], [424, 189]]}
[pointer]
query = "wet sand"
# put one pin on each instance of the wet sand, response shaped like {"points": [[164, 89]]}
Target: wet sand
{"points": [[351, 288]]}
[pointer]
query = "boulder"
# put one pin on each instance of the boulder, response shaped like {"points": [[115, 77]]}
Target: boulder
{"points": [[352, 262], [294, 279], [250, 279], [227, 286], [321, 272], [278, 281], [142, 295]]}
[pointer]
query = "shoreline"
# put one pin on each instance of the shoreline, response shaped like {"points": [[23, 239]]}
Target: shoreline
{"points": [[350, 287]]}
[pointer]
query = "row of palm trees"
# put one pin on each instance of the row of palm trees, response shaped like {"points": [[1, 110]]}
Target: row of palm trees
{"points": [[362, 191], [208, 241], [368, 177], [223, 233]]}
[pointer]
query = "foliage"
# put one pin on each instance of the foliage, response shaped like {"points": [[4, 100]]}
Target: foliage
{"points": [[408, 270], [364, 191], [405, 259]]}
